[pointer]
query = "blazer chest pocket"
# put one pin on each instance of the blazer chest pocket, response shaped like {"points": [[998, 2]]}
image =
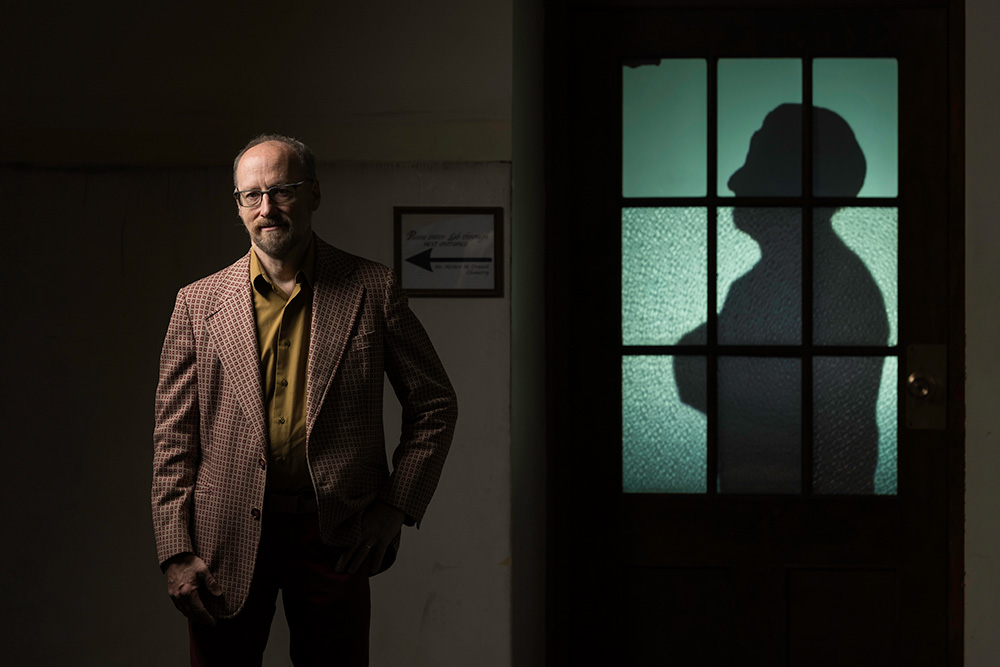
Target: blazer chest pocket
{"points": [[362, 362], [363, 340]]}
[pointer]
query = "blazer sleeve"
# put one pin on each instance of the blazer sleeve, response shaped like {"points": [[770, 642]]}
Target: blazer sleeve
{"points": [[175, 436], [430, 407]]}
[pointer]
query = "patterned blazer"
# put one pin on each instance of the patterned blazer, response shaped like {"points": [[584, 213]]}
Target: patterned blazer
{"points": [[210, 439]]}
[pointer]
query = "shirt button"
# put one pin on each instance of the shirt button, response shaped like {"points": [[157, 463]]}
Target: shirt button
{"points": [[281, 420], [262, 463], [285, 343], [255, 513], [284, 383]]}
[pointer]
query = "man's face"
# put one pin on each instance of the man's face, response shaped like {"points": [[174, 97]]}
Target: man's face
{"points": [[276, 230]]}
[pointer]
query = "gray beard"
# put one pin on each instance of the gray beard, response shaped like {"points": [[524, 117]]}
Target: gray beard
{"points": [[276, 244]]}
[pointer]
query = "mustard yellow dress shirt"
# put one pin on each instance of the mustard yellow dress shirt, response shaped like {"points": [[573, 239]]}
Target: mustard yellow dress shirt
{"points": [[283, 323]]}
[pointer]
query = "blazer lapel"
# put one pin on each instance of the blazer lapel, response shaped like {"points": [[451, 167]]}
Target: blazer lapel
{"points": [[336, 301], [231, 326]]}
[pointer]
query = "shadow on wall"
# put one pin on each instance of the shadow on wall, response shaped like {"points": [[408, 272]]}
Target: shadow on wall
{"points": [[759, 397]]}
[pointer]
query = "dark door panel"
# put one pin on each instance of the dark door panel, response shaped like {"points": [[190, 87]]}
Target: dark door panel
{"points": [[799, 551]]}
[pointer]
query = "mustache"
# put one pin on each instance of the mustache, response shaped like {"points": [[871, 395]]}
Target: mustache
{"points": [[271, 222]]}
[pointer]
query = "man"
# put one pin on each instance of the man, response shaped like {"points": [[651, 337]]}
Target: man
{"points": [[269, 463]]}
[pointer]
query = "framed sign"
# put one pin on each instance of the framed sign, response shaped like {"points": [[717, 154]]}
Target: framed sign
{"points": [[449, 251]]}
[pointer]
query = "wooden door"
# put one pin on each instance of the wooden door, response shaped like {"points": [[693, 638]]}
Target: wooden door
{"points": [[748, 359]]}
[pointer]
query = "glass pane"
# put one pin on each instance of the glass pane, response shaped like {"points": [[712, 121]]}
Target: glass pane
{"points": [[760, 425], [664, 274], [664, 441], [854, 425], [863, 92], [760, 100], [737, 254], [855, 276], [888, 422], [665, 129], [759, 286]]}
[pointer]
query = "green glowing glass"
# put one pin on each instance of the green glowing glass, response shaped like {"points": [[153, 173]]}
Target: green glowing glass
{"points": [[854, 285], [759, 298], [865, 93], [855, 276], [664, 441], [854, 445], [749, 89], [737, 254], [664, 274], [665, 129], [887, 412], [760, 425]]}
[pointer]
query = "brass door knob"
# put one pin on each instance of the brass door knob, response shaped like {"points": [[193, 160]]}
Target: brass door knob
{"points": [[920, 385]]}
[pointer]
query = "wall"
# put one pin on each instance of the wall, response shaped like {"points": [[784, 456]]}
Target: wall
{"points": [[113, 82], [528, 391], [115, 151], [447, 601], [96, 261], [982, 200]]}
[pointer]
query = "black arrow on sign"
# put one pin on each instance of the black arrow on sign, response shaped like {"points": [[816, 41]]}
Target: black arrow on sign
{"points": [[424, 260]]}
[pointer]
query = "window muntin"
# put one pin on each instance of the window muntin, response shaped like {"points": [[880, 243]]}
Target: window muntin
{"points": [[791, 279]]}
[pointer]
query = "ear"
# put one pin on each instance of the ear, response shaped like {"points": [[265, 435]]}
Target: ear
{"points": [[316, 195]]}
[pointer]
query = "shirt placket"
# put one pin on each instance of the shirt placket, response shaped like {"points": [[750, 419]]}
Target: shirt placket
{"points": [[281, 405]]}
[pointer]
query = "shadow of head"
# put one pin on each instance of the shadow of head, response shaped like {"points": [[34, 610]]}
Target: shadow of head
{"points": [[773, 166]]}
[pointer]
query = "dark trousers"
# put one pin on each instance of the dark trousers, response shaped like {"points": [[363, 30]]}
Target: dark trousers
{"points": [[328, 613]]}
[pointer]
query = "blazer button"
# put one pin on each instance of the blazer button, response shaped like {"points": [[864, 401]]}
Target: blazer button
{"points": [[255, 513]]}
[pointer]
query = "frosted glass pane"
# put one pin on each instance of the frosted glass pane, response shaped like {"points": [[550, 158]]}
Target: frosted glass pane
{"points": [[855, 279], [737, 254], [888, 423], [759, 286], [865, 93], [664, 274], [760, 425], [753, 98], [665, 129], [854, 425], [664, 441]]}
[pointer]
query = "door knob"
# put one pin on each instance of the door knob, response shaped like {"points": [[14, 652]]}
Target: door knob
{"points": [[926, 395], [920, 385]]}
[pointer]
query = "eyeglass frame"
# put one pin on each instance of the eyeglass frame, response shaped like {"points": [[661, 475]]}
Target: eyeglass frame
{"points": [[282, 186]]}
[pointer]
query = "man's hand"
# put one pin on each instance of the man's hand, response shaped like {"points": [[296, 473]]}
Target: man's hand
{"points": [[379, 527], [185, 574]]}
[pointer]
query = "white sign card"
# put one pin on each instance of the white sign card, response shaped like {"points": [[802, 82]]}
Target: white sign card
{"points": [[449, 251]]}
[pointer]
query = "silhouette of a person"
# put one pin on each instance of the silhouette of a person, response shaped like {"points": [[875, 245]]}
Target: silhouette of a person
{"points": [[759, 398]]}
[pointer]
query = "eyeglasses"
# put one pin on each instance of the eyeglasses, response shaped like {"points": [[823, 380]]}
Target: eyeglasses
{"points": [[279, 194]]}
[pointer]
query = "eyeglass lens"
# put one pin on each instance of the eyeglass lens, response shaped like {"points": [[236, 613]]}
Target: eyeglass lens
{"points": [[281, 194]]}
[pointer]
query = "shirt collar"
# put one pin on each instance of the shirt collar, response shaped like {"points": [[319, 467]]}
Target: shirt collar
{"points": [[262, 282]]}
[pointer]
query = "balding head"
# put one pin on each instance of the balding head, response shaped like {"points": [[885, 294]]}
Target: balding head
{"points": [[305, 157]]}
